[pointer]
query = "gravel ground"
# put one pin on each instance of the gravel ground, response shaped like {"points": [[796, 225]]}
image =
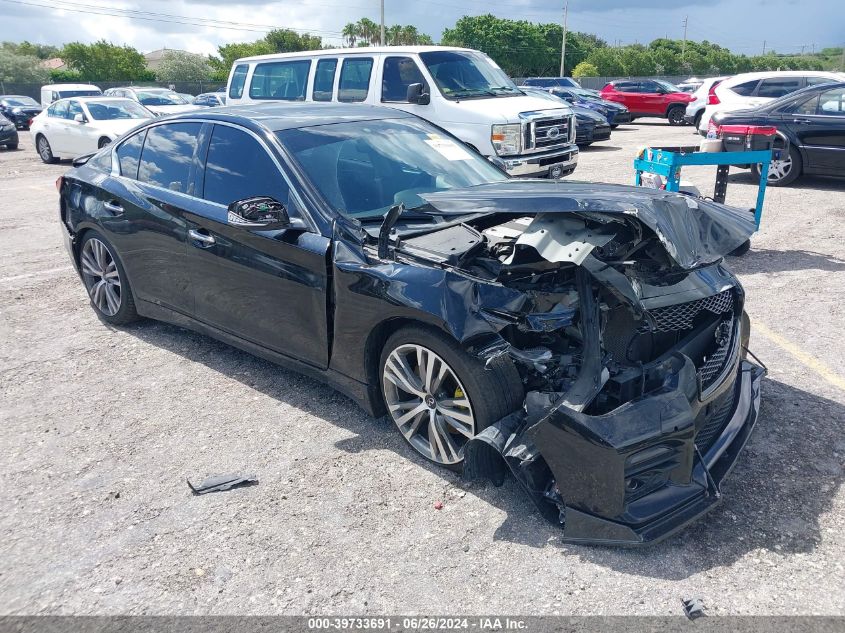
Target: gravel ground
{"points": [[101, 426]]}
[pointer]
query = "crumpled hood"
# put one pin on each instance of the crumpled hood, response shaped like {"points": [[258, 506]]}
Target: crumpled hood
{"points": [[694, 232]]}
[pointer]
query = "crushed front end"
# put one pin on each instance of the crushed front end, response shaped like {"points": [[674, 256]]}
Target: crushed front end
{"points": [[630, 337]]}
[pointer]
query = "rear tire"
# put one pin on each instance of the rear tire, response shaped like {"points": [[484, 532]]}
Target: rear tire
{"points": [[42, 146], [784, 171], [480, 395], [675, 114], [105, 280]]}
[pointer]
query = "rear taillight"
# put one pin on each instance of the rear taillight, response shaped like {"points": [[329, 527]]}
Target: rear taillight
{"points": [[712, 97], [59, 182]]}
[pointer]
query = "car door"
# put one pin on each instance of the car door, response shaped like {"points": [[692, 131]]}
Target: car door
{"points": [[78, 135], [145, 200], [397, 73], [55, 127], [652, 97], [819, 126], [265, 287]]}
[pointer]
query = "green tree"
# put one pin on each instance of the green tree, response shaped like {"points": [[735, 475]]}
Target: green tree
{"points": [[288, 41], [103, 61], [585, 69], [516, 45], [608, 61], [182, 66], [21, 68], [41, 51], [228, 53]]}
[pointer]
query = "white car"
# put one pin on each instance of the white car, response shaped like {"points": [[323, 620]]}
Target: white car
{"points": [[73, 127], [159, 101], [695, 108], [749, 90]]}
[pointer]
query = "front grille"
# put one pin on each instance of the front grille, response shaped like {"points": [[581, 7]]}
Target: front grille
{"points": [[713, 363], [712, 419], [681, 316], [549, 133]]}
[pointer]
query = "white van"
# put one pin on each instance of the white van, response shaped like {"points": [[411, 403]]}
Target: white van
{"points": [[459, 89], [54, 92]]}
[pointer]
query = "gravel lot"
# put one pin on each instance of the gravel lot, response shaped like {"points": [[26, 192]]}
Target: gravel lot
{"points": [[101, 426]]}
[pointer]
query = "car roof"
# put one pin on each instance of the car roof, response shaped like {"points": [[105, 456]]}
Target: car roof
{"points": [[361, 50], [70, 87], [286, 116], [98, 98], [16, 97], [773, 74]]}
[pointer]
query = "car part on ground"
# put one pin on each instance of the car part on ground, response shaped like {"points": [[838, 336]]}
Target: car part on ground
{"points": [[609, 308], [221, 483]]}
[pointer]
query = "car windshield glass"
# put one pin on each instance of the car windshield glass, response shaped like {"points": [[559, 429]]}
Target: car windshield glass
{"points": [[110, 110], [462, 75], [65, 94], [21, 101], [667, 86], [160, 98], [363, 168]]}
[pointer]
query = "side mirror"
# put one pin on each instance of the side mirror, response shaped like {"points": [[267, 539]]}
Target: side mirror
{"points": [[80, 118], [416, 94], [261, 212]]}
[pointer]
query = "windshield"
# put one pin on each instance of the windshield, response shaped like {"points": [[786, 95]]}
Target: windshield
{"points": [[160, 98], [667, 86], [363, 168], [461, 75], [111, 110], [21, 101], [65, 94]]}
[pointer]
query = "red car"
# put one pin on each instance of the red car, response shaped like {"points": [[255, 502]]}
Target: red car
{"points": [[649, 97]]}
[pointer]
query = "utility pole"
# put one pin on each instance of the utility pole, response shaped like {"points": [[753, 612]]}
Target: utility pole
{"points": [[764, 47], [382, 23], [684, 44], [563, 39], [843, 57]]}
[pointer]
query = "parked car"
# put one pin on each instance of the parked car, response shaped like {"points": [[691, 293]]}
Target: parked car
{"points": [[159, 101], [73, 127], [54, 92], [461, 90], [19, 110], [810, 136], [187, 97], [749, 90], [615, 113], [551, 82], [210, 99], [590, 126], [701, 97], [8, 133], [649, 98], [691, 85], [594, 326]]}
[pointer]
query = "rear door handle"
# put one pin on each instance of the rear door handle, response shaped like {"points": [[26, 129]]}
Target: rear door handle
{"points": [[113, 207], [801, 121], [205, 240]]}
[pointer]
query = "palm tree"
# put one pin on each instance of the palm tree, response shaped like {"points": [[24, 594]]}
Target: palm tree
{"points": [[350, 34]]}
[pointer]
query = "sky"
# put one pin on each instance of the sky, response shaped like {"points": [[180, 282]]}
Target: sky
{"points": [[201, 25]]}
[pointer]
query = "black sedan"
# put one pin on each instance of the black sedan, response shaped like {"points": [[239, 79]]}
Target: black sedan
{"points": [[8, 133], [19, 110], [810, 136], [590, 126], [587, 338]]}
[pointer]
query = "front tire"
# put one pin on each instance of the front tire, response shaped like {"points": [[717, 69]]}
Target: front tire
{"points": [[675, 114], [784, 171], [42, 145], [439, 396], [105, 280]]}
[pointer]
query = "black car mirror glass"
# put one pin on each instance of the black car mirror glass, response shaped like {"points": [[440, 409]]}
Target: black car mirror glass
{"points": [[259, 212]]}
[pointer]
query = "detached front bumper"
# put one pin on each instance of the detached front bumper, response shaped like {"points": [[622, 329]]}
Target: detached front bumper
{"points": [[632, 476], [553, 164]]}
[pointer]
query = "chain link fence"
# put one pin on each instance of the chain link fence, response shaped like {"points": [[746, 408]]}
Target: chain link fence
{"points": [[190, 87]]}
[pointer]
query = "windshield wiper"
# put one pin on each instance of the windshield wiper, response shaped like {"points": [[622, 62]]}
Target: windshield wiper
{"points": [[472, 92], [506, 88]]}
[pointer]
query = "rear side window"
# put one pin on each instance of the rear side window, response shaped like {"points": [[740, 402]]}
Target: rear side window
{"points": [[285, 81], [355, 79], [168, 155], [324, 80], [238, 167], [236, 88], [626, 86], [58, 110], [128, 155], [778, 87], [816, 81], [746, 89], [399, 73]]}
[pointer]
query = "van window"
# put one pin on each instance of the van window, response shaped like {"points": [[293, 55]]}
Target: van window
{"points": [[169, 155], [355, 79], [236, 89], [284, 81], [399, 73], [324, 80]]}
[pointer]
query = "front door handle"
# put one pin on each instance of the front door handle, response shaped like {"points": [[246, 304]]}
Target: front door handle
{"points": [[205, 240], [113, 207], [801, 121]]}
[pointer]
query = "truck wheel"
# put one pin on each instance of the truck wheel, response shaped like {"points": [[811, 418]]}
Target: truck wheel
{"points": [[439, 396], [675, 114]]}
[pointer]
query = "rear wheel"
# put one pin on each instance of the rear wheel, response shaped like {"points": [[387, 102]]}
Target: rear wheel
{"points": [[697, 120], [675, 114], [439, 396], [44, 149], [105, 280], [783, 170]]}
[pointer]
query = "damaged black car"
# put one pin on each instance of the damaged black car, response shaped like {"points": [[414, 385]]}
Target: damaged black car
{"points": [[586, 339]]}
